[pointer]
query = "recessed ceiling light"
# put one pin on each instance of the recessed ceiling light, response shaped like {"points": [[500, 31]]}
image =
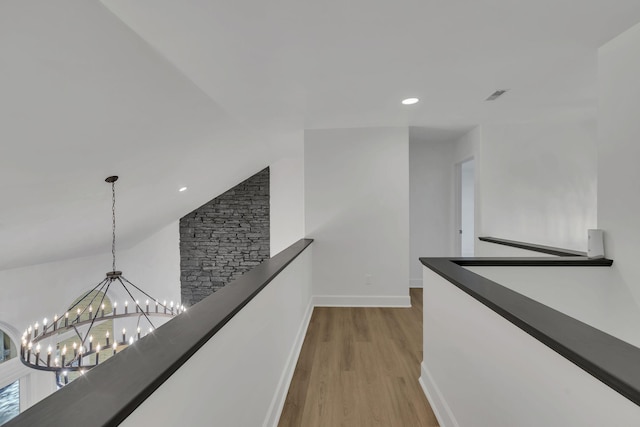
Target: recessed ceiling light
{"points": [[410, 101], [183, 189]]}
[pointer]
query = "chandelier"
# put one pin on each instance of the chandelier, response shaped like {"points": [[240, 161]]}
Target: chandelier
{"points": [[94, 328]]}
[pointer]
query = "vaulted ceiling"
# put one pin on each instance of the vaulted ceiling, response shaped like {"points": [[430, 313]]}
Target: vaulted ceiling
{"points": [[204, 93]]}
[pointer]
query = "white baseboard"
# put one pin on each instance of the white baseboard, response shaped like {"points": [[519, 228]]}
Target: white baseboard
{"points": [[415, 283], [438, 404], [361, 301], [277, 403]]}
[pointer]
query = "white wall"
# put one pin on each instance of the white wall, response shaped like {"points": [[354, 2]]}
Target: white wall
{"points": [[357, 210], [539, 182], [479, 370], [287, 200], [618, 154], [430, 183], [255, 355], [31, 293]]}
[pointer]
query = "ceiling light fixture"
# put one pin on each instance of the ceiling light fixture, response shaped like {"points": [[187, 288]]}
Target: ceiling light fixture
{"points": [[182, 189], [89, 326], [410, 101]]}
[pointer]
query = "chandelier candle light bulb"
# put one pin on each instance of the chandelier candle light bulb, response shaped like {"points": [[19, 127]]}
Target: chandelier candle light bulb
{"points": [[124, 336], [106, 335], [97, 354], [90, 343]]}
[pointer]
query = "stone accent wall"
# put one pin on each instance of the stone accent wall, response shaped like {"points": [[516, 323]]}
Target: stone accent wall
{"points": [[224, 238]]}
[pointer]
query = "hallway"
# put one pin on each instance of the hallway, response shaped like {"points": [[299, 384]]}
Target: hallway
{"points": [[360, 367]]}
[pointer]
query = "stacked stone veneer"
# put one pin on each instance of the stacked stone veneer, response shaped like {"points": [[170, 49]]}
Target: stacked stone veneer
{"points": [[224, 238]]}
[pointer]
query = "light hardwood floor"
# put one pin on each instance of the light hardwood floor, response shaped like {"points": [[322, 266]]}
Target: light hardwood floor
{"points": [[360, 367]]}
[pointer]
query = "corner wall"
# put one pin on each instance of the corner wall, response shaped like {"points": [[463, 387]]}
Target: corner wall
{"points": [[619, 154], [430, 183], [287, 200], [357, 212], [539, 182]]}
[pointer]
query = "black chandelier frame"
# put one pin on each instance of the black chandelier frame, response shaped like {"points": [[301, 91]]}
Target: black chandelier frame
{"points": [[30, 349]]}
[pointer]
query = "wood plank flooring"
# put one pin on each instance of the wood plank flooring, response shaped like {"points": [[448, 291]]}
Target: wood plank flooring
{"points": [[360, 367]]}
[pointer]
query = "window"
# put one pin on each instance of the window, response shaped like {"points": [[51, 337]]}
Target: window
{"points": [[7, 349], [9, 402]]}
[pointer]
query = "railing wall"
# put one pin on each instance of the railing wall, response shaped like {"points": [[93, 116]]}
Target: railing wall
{"points": [[480, 369], [227, 361]]}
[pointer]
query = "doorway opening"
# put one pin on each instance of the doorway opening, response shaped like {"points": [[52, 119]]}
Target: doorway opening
{"points": [[465, 208]]}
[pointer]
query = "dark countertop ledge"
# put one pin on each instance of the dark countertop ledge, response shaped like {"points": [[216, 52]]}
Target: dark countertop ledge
{"points": [[534, 247]]}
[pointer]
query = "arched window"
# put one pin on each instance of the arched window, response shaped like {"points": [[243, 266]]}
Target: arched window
{"points": [[7, 348]]}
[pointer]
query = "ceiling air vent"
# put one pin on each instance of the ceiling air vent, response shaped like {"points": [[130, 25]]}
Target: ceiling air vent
{"points": [[497, 94]]}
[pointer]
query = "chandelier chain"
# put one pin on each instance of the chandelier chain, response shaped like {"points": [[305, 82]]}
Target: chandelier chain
{"points": [[113, 219]]}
